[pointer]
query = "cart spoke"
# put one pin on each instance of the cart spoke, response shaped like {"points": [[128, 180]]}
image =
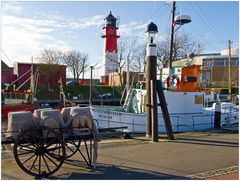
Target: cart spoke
{"points": [[34, 143], [26, 145], [55, 148], [39, 170], [59, 152], [54, 155], [33, 163], [28, 159], [69, 148], [46, 163], [51, 160], [77, 145], [44, 141], [25, 153], [73, 143], [38, 154], [24, 149], [51, 142]]}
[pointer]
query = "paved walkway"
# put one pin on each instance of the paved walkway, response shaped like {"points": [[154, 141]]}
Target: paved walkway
{"points": [[206, 155]]}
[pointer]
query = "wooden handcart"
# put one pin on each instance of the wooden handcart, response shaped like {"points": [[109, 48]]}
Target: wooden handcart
{"points": [[41, 151]]}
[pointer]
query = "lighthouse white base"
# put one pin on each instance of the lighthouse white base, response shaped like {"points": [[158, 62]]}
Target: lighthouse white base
{"points": [[110, 63]]}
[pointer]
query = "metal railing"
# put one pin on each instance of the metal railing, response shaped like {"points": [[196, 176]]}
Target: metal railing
{"points": [[9, 95], [180, 122]]}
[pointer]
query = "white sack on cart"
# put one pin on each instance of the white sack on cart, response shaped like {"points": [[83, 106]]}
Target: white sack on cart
{"points": [[65, 114], [82, 117], [19, 121], [84, 111], [37, 115], [52, 119]]}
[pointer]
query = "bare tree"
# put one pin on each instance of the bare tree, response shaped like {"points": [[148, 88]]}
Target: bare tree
{"points": [[126, 53], [77, 63], [131, 51], [84, 62], [139, 57], [50, 59], [121, 61], [51, 56], [183, 45]]}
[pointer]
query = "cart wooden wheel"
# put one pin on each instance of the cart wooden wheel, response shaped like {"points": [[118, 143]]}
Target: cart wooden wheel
{"points": [[39, 151], [71, 147]]}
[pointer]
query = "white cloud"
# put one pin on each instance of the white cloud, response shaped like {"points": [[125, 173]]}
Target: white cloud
{"points": [[39, 25], [134, 29], [87, 22], [25, 37], [161, 38], [206, 35], [12, 7]]}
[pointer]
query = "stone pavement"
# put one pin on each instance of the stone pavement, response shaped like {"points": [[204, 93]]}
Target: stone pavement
{"points": [[198, 155]]}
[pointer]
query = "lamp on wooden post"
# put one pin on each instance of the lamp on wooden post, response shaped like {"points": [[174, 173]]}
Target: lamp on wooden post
{"points": [[151, 60]]}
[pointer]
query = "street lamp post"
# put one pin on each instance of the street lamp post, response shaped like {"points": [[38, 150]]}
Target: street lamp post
{"points": [[229, 71], [90, 87], [176, 20], [172, 35], [154, 86], [151, 60]]}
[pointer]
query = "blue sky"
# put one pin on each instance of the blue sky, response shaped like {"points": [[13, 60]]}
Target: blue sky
{"points": [[29, 27]]}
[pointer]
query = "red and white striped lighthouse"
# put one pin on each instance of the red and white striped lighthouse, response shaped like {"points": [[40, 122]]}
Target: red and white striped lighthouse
{"points": [[110, 55]]}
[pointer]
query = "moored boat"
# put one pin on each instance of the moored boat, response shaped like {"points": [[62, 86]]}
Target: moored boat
{"points": [[186, 111], [18, 100]]}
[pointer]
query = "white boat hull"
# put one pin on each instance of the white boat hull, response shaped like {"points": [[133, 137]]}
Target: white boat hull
{"points": [[186, 111], [137, 122]]}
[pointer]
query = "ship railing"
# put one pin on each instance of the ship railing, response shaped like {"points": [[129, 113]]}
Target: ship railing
{"points": [[16, 95], [230, 109], [230, 119], [179, 122]]}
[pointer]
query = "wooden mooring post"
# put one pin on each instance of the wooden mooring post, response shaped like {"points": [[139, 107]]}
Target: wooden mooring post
{"points": [[165, 113]]}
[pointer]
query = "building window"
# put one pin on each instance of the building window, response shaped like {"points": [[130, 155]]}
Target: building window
{"points": [[210, 64], [218, 63], [234, 62], [208, 76]]}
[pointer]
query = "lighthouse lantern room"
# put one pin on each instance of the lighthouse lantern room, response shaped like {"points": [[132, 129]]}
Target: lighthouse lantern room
{"points": [[110, 55]]}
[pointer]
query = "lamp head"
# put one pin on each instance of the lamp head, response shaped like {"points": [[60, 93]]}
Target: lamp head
{"points": [[182, 19], [152, 30]]}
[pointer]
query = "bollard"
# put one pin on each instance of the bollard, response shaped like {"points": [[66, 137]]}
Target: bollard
{"points": [[217, 115]]}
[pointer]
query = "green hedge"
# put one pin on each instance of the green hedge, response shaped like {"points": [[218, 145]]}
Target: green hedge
{"points": [[234, 90], [76, 90], [44, 93]]}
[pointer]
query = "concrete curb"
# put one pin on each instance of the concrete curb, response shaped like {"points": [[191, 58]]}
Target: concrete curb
{"points": [[215, 173]]}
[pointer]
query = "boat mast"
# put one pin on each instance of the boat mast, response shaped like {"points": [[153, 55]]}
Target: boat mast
{"points": [[32, 89]]}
